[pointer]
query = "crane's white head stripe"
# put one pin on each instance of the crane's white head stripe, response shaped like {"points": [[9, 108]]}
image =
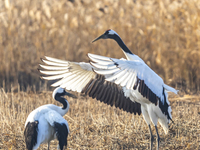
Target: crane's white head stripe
{"points": [[112, 32], [57, 90]]}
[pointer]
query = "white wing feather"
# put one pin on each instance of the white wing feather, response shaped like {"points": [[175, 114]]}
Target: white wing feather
{"points": [[70, 75]]}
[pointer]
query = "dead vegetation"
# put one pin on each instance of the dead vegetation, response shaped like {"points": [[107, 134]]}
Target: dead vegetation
{"points": [[94, 125], [165, 34]]}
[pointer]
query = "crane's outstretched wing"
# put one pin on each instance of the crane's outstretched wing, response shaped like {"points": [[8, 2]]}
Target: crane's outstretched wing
{"points": [[73, 76], [80, 77], [132, 75]]}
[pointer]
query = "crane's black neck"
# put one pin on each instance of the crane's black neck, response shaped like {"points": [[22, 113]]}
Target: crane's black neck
{"points": [[61, 100], [121, 44]]}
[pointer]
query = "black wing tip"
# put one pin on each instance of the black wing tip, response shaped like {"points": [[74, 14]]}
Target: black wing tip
{"points": [[61, 133], [101, 96], [31, 133]]}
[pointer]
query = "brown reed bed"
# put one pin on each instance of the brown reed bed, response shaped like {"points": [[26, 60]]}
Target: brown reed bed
{"points": [[165, 34], [94, 125]]}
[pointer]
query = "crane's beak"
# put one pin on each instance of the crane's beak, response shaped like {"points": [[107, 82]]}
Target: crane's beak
{"points": [[70, 95], [100, 37]]}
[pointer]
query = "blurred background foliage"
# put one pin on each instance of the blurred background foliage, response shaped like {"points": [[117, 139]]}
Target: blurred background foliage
{"points": [[164, 33]]}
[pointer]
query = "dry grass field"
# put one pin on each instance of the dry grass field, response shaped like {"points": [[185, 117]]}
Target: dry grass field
{"points": [[94, 125], [164, 33]]}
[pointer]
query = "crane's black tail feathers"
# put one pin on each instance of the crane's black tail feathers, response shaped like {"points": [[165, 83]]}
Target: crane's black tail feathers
{"points": [[61, 133], [30, 133]]}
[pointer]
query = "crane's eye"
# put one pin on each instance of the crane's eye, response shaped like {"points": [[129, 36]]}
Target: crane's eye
{"points": [[107, 31]]}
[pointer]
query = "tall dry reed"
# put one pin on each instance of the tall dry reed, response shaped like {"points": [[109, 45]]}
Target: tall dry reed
{"points": [[165, 34]]}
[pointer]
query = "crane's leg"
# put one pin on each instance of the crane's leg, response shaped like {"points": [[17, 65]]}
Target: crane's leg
{"points": [[158, 138], [151, 137], [148, 121], [48, 145]]}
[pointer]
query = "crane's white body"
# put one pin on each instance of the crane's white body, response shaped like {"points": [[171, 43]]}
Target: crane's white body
{"points": [[46, 116]]}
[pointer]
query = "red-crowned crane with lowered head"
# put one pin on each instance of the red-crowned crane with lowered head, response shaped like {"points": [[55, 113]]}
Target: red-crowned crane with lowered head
{"points": [[47, 123]]}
